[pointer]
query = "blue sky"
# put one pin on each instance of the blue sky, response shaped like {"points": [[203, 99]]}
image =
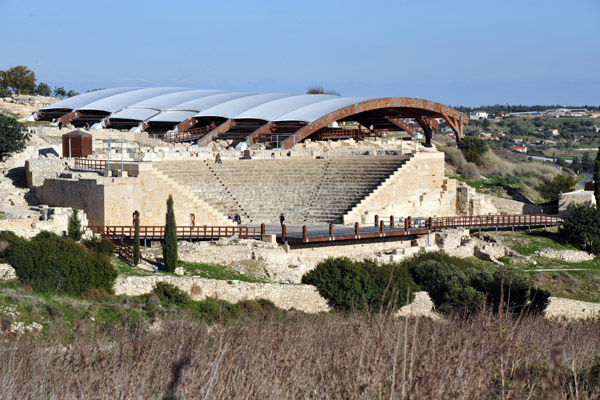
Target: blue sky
{"points": [[454, 52]]}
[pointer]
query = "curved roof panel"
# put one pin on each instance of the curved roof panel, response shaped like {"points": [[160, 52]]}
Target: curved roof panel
{"points": [[315, 111], [172, 116], [167, 101], [117, 102], [136, 114], [273, 109], [232, 108], [203, 103], [81, 100]]}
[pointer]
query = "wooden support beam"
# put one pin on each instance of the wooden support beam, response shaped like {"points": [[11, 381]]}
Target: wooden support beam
{"points": [[402, 124], [210, 135], [266, 128]]}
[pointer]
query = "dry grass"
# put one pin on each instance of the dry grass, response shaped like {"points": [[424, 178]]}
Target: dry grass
{"points": [[332, 357]]}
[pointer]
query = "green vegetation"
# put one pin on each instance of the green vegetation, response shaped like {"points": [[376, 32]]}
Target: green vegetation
{"points": [[550, 189], [43, 89], [18, 78], [74, 226], [99, 245], [136, 240], [473, 148], [361, 286], [171, 295], [581, 228], [170, 241], [50, 263], [13, 137]]}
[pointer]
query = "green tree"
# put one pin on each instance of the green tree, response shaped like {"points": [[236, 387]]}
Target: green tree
{"points": [[19, 79], [13, 138], [170, 241], [72, 93], [136, 240], [43, 89], [473, 148], [74, 227], [561, 183], [60, 92], [581, 228], [597, 179]]}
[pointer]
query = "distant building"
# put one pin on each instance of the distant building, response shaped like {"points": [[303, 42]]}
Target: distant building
{"points": [[552, 132], [476, 115], [520, 149]]}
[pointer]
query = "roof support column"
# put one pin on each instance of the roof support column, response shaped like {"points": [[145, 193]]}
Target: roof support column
{"points": [[427, 124]]}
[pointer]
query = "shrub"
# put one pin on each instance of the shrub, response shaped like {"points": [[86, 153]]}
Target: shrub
{"points": [[454, 157], [597, 179], [469, 171], [74, 227], [473, 148], [8, 238], [456, 285], [14, 137], [561, 183], [449, 287], [99, 245], [170, 242], [581, 228], [49, 262], [171, 295], [349, 285]]}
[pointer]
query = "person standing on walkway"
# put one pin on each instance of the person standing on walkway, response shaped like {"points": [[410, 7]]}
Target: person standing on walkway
{"points": [[218, 158], [281, 219]]}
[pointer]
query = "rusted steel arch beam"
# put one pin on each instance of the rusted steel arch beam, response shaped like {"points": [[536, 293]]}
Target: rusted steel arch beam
{"points": [[266, 128], [402, 124], [210, 135], [456, 125], [185, 125], [67, 118], [418, 106]]}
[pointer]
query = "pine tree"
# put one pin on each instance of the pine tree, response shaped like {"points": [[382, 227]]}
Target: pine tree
{"points": [[136, 241], [597, 179], [170, 241], [74, 227]]}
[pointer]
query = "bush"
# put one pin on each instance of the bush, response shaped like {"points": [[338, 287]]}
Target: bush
{"points": [[49, 262], [470, 171], [349, 285], [454, 157], [473, 148], [561, 183], [13, 138], [581, 228], [455, 285], [99, 245], [171, 295]]}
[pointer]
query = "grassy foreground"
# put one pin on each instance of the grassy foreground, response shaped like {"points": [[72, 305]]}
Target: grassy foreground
{"points": [[325, 357]]}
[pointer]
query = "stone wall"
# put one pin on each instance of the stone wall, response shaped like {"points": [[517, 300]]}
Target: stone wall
{"points": [[567, 200], [112, 200], [420, 188], [300, 297], [39, 169]]}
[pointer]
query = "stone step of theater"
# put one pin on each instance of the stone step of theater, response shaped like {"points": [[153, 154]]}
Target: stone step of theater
{"points": [[305, 190]]}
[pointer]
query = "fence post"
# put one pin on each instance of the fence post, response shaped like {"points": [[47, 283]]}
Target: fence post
{"points": [[304, 234], [406, 223], [356, 231], [376, 219], [392, 221], [409, 222], [381, 228], [430, 224], [283, 233], [262, 228], [331, 232]]}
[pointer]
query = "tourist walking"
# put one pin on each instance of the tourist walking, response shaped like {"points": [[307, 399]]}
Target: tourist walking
{"points": [[282, 219], [218, 159], [238, 219]]}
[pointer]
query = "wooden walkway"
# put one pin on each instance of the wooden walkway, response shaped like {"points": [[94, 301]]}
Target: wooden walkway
{"points": [[122, 236]]}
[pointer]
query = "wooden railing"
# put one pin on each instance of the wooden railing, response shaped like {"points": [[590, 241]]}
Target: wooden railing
{"points": [[183, 232], [419, 226], [90, 164], [348, 133]]}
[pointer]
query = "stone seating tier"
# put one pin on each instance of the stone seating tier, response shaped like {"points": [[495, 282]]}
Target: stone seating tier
{"points": [[305, 190]]}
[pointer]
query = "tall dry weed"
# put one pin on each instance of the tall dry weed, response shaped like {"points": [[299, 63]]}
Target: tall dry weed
{"points": [[332, 357]]}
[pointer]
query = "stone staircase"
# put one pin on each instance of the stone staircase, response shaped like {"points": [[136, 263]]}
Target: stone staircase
{"points": [[305, 190]]}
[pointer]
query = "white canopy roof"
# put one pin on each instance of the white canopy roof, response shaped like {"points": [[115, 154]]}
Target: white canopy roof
{"points": [[273, 109], [119, 101], [74, 103]]}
